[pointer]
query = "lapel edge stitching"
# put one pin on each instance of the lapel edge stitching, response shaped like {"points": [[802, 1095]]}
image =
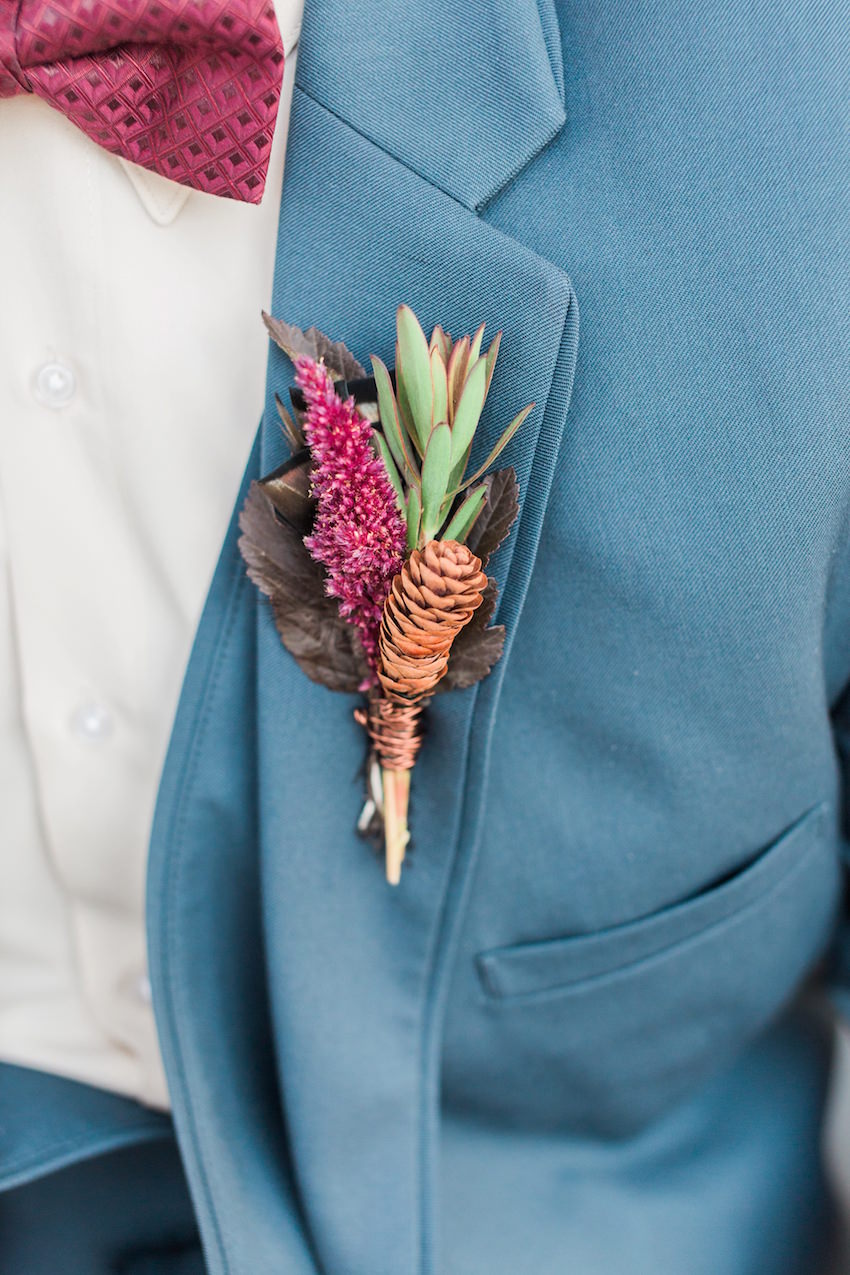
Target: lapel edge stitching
{"points": [[455, 898]]}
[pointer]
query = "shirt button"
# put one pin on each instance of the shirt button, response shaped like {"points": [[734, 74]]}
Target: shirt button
{"points": [[91, 721], [143, 989], [55, 384]]}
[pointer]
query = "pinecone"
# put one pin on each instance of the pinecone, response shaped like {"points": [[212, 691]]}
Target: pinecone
{"points": [[434, 595]]}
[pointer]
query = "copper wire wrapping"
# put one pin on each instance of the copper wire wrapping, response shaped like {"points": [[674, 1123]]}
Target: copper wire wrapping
{"points": [[434, 595], [395, 730]]}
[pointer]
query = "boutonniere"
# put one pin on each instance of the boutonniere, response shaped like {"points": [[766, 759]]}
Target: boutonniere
{"points": [[371, 542]]}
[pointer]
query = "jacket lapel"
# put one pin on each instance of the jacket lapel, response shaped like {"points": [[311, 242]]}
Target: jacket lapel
{"points": [[261, 793], [463, 95]]}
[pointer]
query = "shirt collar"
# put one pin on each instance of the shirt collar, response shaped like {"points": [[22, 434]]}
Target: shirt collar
{"points": [[162, 199]]}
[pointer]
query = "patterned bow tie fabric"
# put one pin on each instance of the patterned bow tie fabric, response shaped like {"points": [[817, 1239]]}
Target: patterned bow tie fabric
{"points": [[186, 88]]}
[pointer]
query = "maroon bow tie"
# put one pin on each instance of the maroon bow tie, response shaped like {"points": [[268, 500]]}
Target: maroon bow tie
{"points": [[187, 88]]}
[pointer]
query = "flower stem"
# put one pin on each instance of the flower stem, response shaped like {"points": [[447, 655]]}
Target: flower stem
{"points": [[396, 799]]}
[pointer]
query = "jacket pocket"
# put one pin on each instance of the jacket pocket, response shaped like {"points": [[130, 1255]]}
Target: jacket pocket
{"points": [[602, 1033], [562, 964]]}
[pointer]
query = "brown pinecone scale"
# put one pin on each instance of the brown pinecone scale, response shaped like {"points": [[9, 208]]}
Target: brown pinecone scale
{"points": [[434, 595]]}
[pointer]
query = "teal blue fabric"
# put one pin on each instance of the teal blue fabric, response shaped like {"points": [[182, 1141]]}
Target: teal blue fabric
{"points": [[90, 1183], [48, 1123], [585, 1033]]}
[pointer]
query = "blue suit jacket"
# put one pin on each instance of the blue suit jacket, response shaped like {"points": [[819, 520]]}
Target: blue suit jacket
{"points": [[574, 1038]]}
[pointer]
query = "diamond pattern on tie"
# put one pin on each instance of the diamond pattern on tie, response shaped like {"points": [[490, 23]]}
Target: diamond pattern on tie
{"points": [[187, 88]]}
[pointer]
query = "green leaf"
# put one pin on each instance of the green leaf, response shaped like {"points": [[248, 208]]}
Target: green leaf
{"points": [[439, 389], [468, 410], [435, 477], [498, 515], [394, 432], [390, 466], [414, 514], [456, 373], [491, 356], [404, 411], [413, 370], [475, 347], [458, 470], [461, 525], [500, 445], [441, 341]]}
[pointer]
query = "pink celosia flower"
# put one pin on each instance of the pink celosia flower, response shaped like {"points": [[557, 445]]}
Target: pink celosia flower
{"points": [[359, 534]]}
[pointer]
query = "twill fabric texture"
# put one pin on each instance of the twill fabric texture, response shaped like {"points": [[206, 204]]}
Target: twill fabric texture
{"points": [[91, 1183], [587, 1031]]}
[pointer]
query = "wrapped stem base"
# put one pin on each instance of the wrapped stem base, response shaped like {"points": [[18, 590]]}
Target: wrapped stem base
{"points": [[395, 729]]}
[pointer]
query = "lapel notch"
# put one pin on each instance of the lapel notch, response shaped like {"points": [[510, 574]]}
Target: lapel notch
{"points": [[464, 95]]}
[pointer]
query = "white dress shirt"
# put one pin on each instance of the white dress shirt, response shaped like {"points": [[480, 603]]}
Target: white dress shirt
{"points": [[132, 369]]}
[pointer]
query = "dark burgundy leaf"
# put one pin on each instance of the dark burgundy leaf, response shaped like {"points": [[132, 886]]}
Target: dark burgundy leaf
{"points": [[476, 648], [339, 360], [310, 626], [498, 515], [487, 610], [288, 488], [291, 428]]}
